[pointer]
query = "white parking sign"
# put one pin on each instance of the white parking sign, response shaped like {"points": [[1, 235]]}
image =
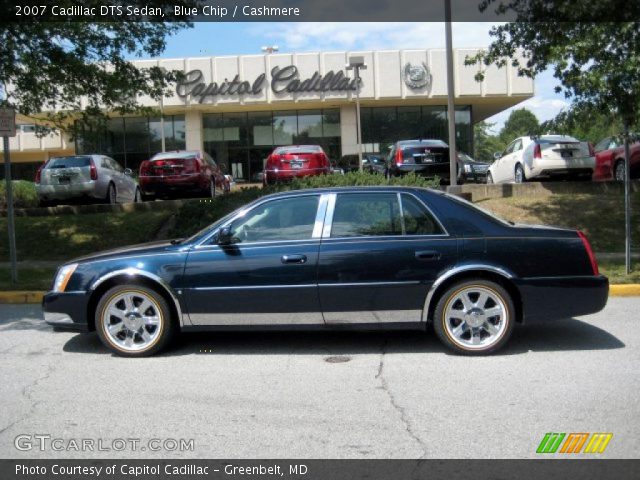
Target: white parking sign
{"points": [[7, 122]]}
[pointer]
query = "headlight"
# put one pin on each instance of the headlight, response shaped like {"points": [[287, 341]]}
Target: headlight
{"points": [[63, 276], [467, 168]]}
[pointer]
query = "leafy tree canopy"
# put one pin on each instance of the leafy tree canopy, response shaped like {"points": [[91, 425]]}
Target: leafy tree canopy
{"points": [[596, 63], [585, 123], [485, 143], [521, 122], [67, 69]]}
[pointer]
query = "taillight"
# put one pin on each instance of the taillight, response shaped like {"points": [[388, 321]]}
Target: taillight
{"points": [[144, 168], [592, 257], [399, 156], [190, 165], [273, 161], [39, 173], [93, 169], [592, 151], [537, 151]]}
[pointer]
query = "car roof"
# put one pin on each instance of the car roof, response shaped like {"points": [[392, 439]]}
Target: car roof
{"points": [[175, 154], [376, 188], [559, 137]]}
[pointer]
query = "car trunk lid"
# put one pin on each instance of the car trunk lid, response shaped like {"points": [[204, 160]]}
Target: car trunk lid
{"points": [[66, 171]]}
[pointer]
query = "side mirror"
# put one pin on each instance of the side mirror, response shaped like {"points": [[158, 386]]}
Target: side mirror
{"points": [[225, 236], [128, 171], [497, 155]]}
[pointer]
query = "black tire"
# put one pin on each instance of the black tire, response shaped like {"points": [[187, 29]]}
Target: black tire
{"points": [[619, 171], [112, 195], [518, 174], [166, 324], [137, 197], [459, 345], [212, 188], [489, 179]]}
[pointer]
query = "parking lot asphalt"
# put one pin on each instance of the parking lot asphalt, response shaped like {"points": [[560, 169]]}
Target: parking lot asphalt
{"points": [[322, 394]]}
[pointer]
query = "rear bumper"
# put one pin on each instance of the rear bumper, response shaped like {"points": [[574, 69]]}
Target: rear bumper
{"points": [[558, 167], [428, 170], [161, 185], [66, 192], [284, 175], [66, 311], [555, 298]]}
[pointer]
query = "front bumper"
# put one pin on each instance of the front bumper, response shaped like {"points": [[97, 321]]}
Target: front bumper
{"points": [[555, 298], [66, 310]]}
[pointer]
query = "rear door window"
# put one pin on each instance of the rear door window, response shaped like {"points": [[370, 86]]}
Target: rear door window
{"points": [[417, 220], [366, 214]]}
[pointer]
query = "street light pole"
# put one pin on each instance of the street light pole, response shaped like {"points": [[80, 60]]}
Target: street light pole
{"points": [[356, 64], [627, 200], [451, 109]]}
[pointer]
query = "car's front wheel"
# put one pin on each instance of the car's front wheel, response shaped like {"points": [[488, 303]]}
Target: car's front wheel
{"points": [[134, 321], [474, 317]]}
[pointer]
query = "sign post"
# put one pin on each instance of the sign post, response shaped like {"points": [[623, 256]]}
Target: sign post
{"points": [[8, 129]]}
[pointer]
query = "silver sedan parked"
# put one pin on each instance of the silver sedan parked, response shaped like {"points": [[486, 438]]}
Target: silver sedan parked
{"points": [[90, 177]]}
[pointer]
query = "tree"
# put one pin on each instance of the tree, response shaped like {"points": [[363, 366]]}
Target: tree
{"points": [[597, 62], [485, 143], [61, 69], [584, 123], [521, 122]]}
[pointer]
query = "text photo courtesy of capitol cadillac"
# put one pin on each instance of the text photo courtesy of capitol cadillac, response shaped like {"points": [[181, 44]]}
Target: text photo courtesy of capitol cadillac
{"points": [[319, 239]]}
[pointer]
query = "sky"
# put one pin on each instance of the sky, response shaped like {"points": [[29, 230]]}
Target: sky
{"points": [[212, 39]]}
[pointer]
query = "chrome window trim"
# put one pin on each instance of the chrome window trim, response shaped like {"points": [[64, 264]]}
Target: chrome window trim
{"points": [[367, 284], [320, 215], [403, 227], [134, 272], [244, 211], [328, 223], [271, 244], [454, 271]]}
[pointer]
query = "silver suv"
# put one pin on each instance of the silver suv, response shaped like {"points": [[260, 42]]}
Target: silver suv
{"points": [[90, 177]]}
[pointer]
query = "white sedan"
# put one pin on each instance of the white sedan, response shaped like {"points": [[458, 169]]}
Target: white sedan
{"points": [[542, 157]]}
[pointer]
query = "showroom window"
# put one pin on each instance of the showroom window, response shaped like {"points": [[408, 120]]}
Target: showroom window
{"points": [[131, 140]]}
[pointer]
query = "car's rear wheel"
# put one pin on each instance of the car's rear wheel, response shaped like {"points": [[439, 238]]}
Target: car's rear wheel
{"points": [[619, 171], [134, 321], [474, 317], [489, 178], [519, 175], [137, 197]]}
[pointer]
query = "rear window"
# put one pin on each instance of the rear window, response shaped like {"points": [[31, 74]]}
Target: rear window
{"points": [[69, 162], [433, 151], [299, 149], [174, 156]]}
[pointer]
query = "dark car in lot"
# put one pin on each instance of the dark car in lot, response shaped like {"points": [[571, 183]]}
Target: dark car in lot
{"points": [[610, 159], [295, 161], [429, 158], [372, 163], [368, 257], [181, 173], [472, 170]]}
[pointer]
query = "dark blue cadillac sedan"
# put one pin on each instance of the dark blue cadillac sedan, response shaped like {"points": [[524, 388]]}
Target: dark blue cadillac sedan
{"points": [[372, 257]]}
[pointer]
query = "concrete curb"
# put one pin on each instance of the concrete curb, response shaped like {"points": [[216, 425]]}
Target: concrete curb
{"points": [[25, 296]]}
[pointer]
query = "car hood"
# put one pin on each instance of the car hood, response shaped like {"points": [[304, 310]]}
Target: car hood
{"points": [[132, 250]]}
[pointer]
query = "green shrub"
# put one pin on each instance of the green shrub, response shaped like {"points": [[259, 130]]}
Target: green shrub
{"points": [[360, 179], [24, 194]]}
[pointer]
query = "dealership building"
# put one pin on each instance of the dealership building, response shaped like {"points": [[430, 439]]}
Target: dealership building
{"points": [[238, 108]]}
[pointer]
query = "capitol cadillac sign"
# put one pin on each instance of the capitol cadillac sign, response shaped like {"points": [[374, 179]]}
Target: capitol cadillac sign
{"points": [[283, 80]]}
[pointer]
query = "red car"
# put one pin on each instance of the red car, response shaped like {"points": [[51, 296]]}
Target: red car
{"points": [[181, 173], [610, 160], [287, 163]]}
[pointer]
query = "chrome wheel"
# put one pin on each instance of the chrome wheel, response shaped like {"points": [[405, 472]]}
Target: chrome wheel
{"points": [[475, 317], [620, 171], [132, 321], [519, 174]]}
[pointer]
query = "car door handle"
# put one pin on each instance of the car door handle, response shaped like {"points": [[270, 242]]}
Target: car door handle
{"points": [[294, 259], [427, 255]]}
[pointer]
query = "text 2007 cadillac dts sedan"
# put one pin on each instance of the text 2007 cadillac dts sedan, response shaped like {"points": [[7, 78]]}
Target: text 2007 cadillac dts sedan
{"points": [[370, 257]]}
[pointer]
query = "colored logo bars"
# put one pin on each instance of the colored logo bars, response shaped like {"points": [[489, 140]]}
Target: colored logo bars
{"points": [[573, 443]]}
